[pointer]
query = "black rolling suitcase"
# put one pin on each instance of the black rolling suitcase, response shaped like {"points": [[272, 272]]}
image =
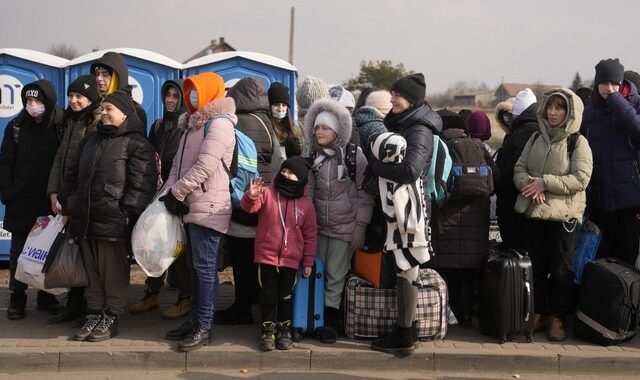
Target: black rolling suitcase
{"points": [[608, 302], [506, 295]]}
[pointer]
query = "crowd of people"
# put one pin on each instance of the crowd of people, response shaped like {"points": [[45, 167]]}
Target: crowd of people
{"points": [[564, 157]]}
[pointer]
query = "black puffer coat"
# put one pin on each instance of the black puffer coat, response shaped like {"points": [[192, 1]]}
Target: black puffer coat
{"points": [[114, 182], [164, 134], [27, 154], [522, 127], [78, 125]]}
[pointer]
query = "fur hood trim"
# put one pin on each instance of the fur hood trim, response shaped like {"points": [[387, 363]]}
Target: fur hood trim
{"points": [[341, 113], [225, 107]]}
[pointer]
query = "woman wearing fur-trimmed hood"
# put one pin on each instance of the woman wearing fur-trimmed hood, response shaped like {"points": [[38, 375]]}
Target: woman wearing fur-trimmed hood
{"points": [[343, 208]]}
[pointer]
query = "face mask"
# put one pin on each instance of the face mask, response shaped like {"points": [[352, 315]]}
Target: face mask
{"points": [[193, 98], [278, 115], [36, 110]]}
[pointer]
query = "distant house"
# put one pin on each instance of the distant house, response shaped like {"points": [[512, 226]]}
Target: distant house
{"points": [[484, 99], [216, 46], [509, 90]]}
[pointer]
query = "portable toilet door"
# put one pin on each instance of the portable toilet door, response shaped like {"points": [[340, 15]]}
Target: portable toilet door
{"points": [[19, 67], [235, 65], [147, 73]]}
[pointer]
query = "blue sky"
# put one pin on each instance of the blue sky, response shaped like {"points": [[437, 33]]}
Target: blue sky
{"points": [[454, 40]]}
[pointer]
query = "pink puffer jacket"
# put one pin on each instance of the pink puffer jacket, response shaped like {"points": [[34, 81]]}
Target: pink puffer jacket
{"points": [[197, 174]]}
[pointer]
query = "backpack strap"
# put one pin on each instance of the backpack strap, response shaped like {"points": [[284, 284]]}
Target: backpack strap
{"points": [[351, 152], [571, 142], [265, 129], [233, 170]]}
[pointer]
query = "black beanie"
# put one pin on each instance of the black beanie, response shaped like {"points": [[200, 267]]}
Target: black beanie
{"points": [[299, 166], [609, 70], [632, 77], [85, 85], [278, 93], [122, 100], [412, 87], [451, 120], [32, 90]]}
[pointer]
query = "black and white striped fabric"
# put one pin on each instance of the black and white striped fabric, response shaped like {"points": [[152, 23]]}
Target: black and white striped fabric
{"points": [[402, 205]]}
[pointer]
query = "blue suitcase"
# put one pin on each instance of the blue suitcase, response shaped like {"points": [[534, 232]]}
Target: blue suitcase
{"points": [[308, 301]]}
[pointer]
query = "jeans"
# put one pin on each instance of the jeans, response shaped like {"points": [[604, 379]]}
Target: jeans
{"points": [[204, 243]]}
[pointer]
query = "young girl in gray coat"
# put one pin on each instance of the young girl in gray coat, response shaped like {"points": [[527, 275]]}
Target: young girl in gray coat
{"points": [[343, 209]]}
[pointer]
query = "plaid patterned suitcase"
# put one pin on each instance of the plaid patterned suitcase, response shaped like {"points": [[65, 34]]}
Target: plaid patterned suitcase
{"points": [[371, 312]]}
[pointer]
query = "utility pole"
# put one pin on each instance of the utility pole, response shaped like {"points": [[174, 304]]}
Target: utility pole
{"points": [[291, 33]]}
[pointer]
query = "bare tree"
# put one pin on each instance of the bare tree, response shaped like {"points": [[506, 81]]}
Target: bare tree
{"points": [[63, 50]]}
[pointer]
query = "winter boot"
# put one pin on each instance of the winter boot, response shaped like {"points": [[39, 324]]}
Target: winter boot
{"points": [[179, 310], [92, 320], [181, 332], [267, 338], [72, 311], [556, 331], [47, 302], [106, 329], [148, 302], [283, 337], [538, 322], [328, 334], [196, 338], [17, 305], [399, 341]]}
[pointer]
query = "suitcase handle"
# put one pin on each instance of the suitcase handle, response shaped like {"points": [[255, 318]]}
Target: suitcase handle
{"points": [[527, 287]]}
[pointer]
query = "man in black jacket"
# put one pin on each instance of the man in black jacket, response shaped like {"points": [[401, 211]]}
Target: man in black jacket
{"points": [[165, 137]]}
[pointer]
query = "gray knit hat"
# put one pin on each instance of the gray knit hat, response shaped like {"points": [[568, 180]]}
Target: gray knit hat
{"points": [[309, 91]]}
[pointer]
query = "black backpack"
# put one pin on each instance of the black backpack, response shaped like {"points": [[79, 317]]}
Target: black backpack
{"points": [[471, 177]]}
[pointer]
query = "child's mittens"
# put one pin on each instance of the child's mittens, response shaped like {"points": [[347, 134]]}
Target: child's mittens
{"points": [[357, 236]]}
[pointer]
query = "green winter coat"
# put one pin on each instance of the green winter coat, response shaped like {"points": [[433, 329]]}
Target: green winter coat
{"points": [[565, 178]]}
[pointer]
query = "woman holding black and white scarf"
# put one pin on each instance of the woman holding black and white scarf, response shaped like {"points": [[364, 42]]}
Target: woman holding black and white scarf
{"points": [[416, 122]]}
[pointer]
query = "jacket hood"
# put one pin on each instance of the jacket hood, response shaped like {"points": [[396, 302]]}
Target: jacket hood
{"points": [[573, 120], [177, 83], [223, 107], [529, 115], [249, 95], [118, 64], [329, 105], [52, 113], [208, 85], [366, 114], [501, 109]]}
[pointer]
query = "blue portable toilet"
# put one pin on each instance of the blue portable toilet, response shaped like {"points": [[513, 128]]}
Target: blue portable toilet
{"points": [[19, 67], [235, 65], [147, 72]]}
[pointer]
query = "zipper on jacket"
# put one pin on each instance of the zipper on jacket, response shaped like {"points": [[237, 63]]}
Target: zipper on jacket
{"points": [[326, 211], [91, 175]]}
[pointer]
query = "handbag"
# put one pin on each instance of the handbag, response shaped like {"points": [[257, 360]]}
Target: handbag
{"points": [[64, 267], [378, 268]]}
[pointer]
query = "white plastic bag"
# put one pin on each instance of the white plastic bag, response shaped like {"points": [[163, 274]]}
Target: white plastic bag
{"points": [[35, 252], [158, 238]]}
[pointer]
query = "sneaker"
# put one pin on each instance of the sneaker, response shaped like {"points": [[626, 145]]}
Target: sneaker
{"points": [[16, 305], [92, 320], [181, 332], [538, 322], [179, 310], [283, 336], [106, 329], [556, 331], [268, 338], [148, 302]]}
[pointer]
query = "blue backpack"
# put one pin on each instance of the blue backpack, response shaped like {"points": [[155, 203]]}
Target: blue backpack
{"points": [[244, 165], [439, 170]]}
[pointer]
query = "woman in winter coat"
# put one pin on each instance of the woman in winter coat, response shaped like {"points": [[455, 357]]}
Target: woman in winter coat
{"points": [[28, 149], [115, 179], [199, 192], [460, 227], [552, 175], [524, 124], [343, 208], [411, 118], [611, 124], [79, 120], [252, 108], [287, 131]]}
